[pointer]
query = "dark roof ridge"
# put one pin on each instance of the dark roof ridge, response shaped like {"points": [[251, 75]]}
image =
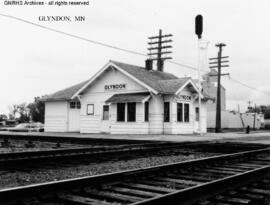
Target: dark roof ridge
{"points": [[182, 78], [157, 71]]}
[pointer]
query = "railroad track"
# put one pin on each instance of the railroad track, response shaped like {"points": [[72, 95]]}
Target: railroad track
{"points": [[177, 183], [45, 137], [100, 153], [250, 188], [17, 158]]}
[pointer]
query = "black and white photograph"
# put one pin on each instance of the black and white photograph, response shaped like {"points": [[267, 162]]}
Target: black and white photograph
{"points": [[124, 102]]}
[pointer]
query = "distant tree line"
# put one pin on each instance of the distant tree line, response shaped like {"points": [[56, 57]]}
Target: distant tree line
{"points": [[24, 112]]}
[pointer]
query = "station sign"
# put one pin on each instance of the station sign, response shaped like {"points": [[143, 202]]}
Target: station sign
{"points": [[184, 97], [113, 87]]}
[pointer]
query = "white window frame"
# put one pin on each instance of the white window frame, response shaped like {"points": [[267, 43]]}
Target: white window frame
{"points": [[77, 105], [183, 112], [90, 111]]}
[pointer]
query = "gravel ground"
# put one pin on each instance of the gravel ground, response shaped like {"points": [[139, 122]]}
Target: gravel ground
{"points": [[26, 177], [19, 146]]}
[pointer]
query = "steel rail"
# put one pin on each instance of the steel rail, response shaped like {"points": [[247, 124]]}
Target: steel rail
{"points": [[72, 153], [54, 188], [193, 194], [35, 136], [251, 188], [21, 158]]}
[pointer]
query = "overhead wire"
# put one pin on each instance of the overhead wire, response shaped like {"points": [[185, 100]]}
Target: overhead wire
{"points": [[73, 35], [117, 48]]}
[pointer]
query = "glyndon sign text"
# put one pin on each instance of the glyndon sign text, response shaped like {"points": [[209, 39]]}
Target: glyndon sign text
{"points": [[115, 87], [185, 97]]}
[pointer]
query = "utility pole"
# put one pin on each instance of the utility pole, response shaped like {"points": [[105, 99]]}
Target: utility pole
{"points": [[254, 120], [161, 42], [218, 65]]}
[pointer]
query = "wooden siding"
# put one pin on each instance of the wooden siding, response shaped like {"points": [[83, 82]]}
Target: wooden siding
{"points": [[90, 124], [97, 95], [56, 116]]}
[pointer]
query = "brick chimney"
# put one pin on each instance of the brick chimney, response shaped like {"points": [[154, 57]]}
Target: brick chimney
{"points": [[149, 64]]}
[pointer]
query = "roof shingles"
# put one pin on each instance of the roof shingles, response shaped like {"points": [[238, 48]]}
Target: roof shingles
{"points": [[150, 78], [124, 98], [64, 94], [162, 82]]}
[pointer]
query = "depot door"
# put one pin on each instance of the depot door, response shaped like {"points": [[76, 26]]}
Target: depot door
{"points": [[74, 120], [105, 122], [196, 120]]}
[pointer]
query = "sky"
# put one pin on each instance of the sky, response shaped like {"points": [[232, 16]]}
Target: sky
{"points": [[35, 61]]}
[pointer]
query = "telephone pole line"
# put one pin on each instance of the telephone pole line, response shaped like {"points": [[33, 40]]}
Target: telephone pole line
{"points": [[218, 64], [254, 119], [161, 42]]}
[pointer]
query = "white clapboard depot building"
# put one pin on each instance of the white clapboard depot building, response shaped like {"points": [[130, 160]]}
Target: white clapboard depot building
{"points": [[127, 99]]}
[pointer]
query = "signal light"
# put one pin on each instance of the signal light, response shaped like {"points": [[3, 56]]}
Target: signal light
{"points": [[199, 25]]}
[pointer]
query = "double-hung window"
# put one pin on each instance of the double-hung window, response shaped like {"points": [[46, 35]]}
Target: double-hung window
{"points": [[146, 111], [166, 111], [179, 112], [186, 112], [121, 112], [182, 112], [131, 112]]}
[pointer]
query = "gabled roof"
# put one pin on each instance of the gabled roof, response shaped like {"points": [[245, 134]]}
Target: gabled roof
{"points": [[171, 86], [146, 78], [155, 81], [151, 78], [64, 94]]}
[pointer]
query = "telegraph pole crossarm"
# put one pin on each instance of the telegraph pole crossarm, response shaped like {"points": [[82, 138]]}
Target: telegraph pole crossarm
{"points": [[222, 74], [217, 66], [216, 58], [160, 49], [217, 62]]}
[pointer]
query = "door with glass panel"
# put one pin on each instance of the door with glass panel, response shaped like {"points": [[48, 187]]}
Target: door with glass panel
{"points": [[105, 122]]}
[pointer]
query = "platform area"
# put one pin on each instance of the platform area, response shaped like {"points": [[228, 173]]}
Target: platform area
{"points": [[252, 137]]}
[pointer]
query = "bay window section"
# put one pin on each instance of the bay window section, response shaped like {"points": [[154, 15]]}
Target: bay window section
{"points": [[186, 112], [121, 112], [179, 112], [131, 112], [182, 112]]}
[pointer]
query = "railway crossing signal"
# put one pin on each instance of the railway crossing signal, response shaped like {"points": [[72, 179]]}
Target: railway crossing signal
{"points": [[159, 44], [219, 63]]}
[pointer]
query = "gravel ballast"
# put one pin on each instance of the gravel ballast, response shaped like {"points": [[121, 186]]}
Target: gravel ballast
{"points": [[29, 176], [21, 146]]}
